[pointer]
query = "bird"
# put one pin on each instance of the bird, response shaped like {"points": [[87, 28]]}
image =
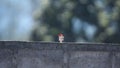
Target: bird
{"points": [[60, 37]]}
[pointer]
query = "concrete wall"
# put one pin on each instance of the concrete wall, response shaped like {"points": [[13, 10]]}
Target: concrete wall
{"points": [[56, 55]]}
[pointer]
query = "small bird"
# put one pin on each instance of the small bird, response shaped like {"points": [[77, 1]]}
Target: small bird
{"points": [[61, 37]]}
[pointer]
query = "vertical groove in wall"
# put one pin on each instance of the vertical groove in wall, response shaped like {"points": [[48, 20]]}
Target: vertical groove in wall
{"points": [[113, 60], [66, 57], [14, 58]]}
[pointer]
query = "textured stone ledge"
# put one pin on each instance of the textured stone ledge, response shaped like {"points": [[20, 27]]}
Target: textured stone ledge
{"points": [[64, 46], [21, 54]]}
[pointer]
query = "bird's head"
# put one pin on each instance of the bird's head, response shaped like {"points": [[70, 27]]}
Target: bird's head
{"points": [[60, 35]]}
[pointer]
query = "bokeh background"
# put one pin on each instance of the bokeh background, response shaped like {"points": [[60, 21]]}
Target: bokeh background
{"points": [[42, 20]]}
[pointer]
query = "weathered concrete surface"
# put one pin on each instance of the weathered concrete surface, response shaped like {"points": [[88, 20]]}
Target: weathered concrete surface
{"points": [[16, 54]]}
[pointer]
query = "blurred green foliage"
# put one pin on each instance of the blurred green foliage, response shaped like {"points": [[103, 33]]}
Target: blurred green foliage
{"points": [[79, 21]]}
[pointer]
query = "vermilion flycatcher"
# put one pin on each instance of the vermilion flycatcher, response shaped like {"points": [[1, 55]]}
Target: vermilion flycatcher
{"points": [[61, 37]]}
